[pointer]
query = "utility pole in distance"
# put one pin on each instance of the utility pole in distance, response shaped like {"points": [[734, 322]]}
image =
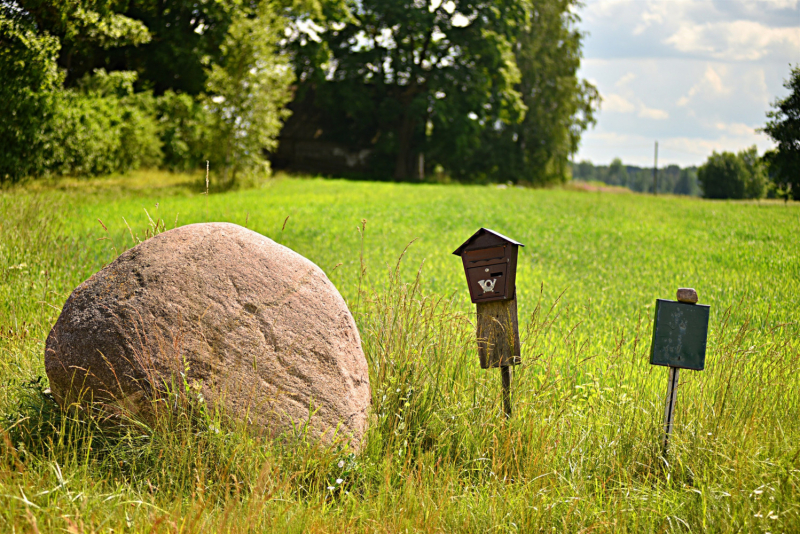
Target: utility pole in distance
{"points": [[655, 171]]}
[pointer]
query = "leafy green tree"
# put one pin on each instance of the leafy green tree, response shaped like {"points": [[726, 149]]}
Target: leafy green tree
{"points": [[617, 173], [247, 93], [82, 27], [36, 38], [558, 105], [448, 79], [755, 185], [102, 126], [784, 128], [30, 77], [723, 176], [186, 36], [185, 130]]}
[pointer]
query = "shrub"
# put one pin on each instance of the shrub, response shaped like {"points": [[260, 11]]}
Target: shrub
{"points": [[103, 127], [30, 80], [185, 127]]}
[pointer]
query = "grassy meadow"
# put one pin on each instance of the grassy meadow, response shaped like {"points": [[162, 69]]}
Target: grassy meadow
{"points": [[581, 452]]}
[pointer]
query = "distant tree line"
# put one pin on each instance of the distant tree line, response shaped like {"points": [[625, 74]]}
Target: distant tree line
{"points": [[742, 175], [485, 90], [671, 179]]}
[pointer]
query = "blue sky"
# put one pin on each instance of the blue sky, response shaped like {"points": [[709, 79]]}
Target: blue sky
{"points": [[695, 75]]}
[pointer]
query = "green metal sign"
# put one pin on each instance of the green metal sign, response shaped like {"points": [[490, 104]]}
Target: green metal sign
{"points": [[679, 335]]}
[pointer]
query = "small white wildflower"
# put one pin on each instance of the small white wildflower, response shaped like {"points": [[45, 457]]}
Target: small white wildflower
{"points": [[758, 492], [339, 480], [341, 464], [758, 515], [331, 488]]}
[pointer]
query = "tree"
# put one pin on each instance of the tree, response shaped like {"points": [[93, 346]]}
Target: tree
{"points": [[686, 184], [755, 185], [82, 27], [558, 105], [784, 128], [36, 38], [450, 80], [27, 100], [185, 33], [617, 173], [723, 176], [248, 91]]}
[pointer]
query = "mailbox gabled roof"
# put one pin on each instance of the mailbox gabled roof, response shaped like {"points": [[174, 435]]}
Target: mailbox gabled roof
{"points": [[495, 239]]}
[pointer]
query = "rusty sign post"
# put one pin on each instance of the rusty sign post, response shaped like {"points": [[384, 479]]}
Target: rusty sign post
{"points": [[680, 332], [490, 265]]}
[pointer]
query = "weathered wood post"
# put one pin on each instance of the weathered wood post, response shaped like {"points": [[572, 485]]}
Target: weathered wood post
{"points": [[680, 333], [490, 265]]}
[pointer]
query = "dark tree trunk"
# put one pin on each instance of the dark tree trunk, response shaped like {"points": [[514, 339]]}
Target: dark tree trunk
{"points": [[404, 164]]}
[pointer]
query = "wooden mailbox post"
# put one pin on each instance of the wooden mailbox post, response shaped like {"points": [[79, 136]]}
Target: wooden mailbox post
{"points": [[490, 265], [680, 332]]}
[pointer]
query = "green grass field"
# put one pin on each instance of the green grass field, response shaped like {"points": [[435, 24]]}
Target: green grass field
{"points": [[581, 453]]}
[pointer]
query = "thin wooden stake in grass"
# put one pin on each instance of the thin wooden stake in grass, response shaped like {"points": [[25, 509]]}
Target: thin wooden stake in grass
{"points": [[505, 373], [669, 406]]}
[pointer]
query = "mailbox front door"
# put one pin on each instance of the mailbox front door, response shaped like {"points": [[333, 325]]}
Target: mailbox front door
{"points": [[488, 282]]}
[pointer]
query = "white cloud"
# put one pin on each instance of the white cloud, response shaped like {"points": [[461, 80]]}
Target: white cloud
{"points": [[774, 4], [625, 80], [740, 40], [618, 104], [652, 113], [735, 128], [656, 14], [710, 84]]}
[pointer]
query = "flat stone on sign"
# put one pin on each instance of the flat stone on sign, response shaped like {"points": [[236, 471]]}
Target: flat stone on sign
{"points": [[687, 294]]}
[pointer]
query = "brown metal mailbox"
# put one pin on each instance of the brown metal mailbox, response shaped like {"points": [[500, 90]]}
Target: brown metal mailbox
{"points": [[490, 265]]}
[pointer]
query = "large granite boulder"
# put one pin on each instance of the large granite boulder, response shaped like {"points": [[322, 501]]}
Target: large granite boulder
{"points": [[249, 323]]}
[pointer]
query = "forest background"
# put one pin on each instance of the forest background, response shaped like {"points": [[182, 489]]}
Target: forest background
{"points": [[464, 91]]}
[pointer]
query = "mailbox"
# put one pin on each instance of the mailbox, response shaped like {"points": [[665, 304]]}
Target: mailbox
{"points": [[490, 265], [679, 335]]}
